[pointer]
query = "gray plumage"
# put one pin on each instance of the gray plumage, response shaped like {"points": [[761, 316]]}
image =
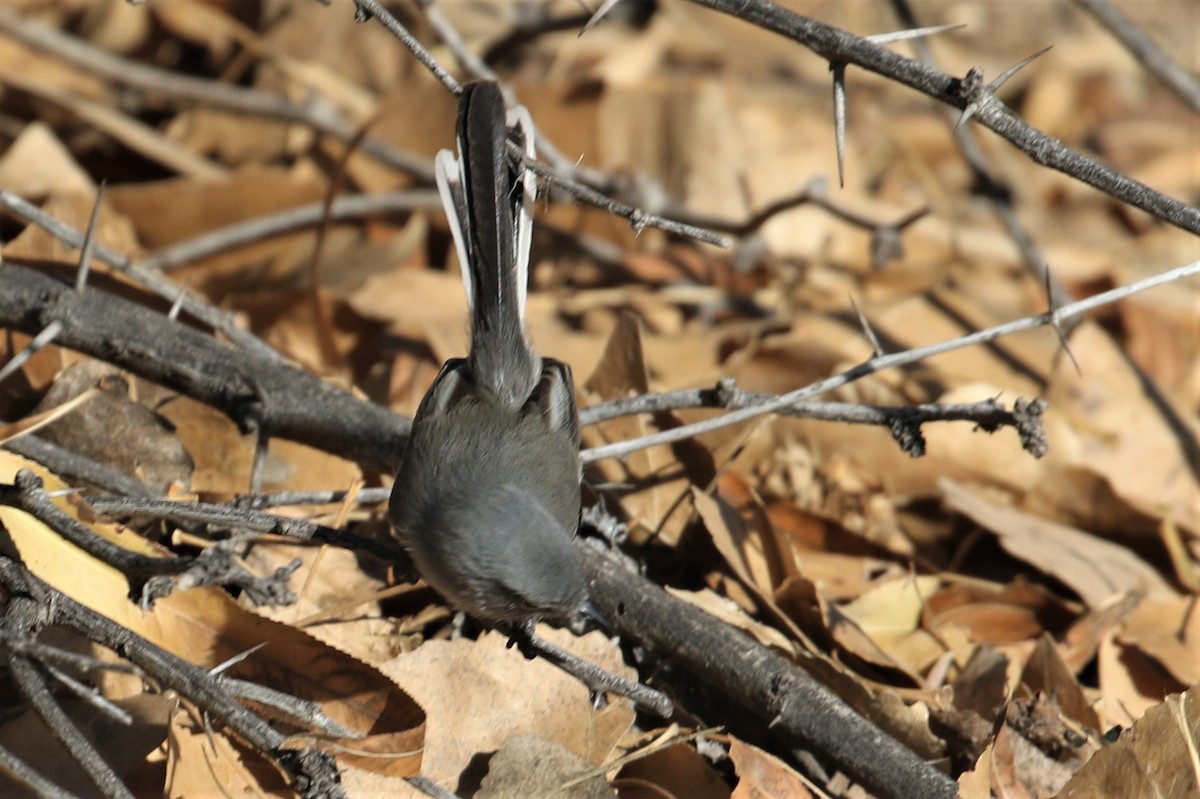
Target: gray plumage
{"points": [[487, 497]]}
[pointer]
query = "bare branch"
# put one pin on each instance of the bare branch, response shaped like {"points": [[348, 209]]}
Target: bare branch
{"points": [[299, 218]]}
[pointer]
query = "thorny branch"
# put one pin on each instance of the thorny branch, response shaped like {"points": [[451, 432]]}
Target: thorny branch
{"points": [[841, 47]]}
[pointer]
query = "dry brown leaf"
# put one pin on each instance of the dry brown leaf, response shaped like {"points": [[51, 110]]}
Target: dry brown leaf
{"points": [[33, 423], [763, 774], [1130, 683], [1156, 758], [202, 23], [676, 772], [1130, 443], [202, 764], [115, 429], [528, 766], [37, 164], [114, 230], [292, 466], [124, 747], [130, 131], [722, 608], [478, 694], [222, 454], [169, 211], [889, 615], [337, 601], [749, 551], [977, 783], [1169, 632], [660, 476], [1094, 568], [233, 139], [1047, 674], [1020, 770]]}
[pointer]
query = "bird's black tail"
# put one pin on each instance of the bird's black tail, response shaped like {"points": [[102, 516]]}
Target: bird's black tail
{"points": [[487, 199]]}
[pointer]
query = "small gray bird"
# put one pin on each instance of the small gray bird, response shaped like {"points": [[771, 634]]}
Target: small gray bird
{"points": [[487, 498]]}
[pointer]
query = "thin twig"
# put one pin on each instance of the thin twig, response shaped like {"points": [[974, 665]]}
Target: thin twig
{"points": [[369, 8], [595, 678], [284, 222], [621, 449], [364, 496], [1149, 55], [562, 172], [989, 415], [27, 494], [76, 468], [638, 218], [316, 769], [242, 517]]}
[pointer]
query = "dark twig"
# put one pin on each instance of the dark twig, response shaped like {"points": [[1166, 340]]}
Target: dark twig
{"points": [[885, 236], [28, 495], [365, 9], [981, 94], [595, 678], [77, 468], [216, 565], [243, 515], [283, 400], [31, 680], [993, 188], [365, 496], [563, 173], [638, 218], [838, 71]]}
